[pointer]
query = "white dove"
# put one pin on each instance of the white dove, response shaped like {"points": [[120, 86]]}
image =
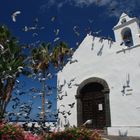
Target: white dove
{"points": [[87, 122], [14, 15], [1, 47]]}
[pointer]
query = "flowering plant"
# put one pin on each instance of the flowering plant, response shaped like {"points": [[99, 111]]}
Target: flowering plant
{"points": [[15, 132], [74, 134], [30, 136], [11, 131]]}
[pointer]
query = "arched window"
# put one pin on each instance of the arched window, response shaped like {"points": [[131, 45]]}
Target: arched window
{"points": [[127, 37]]}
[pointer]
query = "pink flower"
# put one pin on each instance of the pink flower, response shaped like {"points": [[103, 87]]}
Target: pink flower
{"points": [[29, 136]]}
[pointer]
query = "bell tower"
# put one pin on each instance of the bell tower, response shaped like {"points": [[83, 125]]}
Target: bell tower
{"points": [[127, 31]]}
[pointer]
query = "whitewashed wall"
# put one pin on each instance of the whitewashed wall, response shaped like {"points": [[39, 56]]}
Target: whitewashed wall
{"points": [[116, 65]]}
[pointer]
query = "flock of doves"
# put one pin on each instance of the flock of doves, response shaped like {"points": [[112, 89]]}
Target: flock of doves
{"points": [[25, 108]]}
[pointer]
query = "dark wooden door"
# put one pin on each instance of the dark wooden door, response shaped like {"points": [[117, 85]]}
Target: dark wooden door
{"points": [[94, 109], [100, 112], [87, 110]]}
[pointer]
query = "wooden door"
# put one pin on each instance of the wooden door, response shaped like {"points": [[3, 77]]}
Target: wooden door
{"points": [[93, 105], [100, 112], [87, 111]]}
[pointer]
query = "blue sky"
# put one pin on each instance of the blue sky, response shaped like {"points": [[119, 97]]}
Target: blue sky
{"points": [[66, 16]]}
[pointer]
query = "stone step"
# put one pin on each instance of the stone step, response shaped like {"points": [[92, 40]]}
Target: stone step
{"points": [[106, 137]]}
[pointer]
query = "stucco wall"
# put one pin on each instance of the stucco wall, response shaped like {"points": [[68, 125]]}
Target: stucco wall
{"points": [[110, 61]]}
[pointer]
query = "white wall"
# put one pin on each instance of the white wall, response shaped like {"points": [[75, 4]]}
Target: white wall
{"points": [[114, 64]]}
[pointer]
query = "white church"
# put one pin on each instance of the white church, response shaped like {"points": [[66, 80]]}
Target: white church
{"points": [[101, 83]]}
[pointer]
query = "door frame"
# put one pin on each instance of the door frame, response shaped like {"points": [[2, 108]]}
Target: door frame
{"points": [[105, 91]]}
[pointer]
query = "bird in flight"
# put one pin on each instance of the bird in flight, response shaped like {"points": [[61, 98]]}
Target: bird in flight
{"points": [[53, 18], [14, 15], [1, 47]]}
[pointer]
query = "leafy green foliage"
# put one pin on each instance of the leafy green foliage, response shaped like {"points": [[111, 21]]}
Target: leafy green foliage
{"points": [[42, 58], [11, 66]]}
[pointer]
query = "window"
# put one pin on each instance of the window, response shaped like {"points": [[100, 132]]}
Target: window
{"points": [[123, 20], [127, 37]]}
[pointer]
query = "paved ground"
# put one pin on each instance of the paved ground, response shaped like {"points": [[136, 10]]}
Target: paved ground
{"points": [[121, 138]]}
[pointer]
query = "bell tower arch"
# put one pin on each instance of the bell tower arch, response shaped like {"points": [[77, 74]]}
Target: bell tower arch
{"points": [[127, 31]]}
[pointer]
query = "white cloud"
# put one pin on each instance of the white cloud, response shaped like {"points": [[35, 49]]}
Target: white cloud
{"points": [[123, 6], [82, 3], [115, 7]]}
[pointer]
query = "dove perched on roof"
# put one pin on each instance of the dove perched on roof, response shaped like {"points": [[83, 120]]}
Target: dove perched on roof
{"points": [[14, 15]]}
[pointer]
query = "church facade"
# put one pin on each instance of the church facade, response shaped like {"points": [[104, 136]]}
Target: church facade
{"points": [[101, 82]]}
